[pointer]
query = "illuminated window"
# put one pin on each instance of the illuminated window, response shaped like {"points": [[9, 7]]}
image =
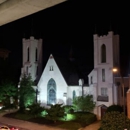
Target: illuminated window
{"points": [[27, 70], [51, 68], [28, 54], [103, 75], [74, 94], [103, 54], [36, 54], [91, 80], [51, 92], [37, 71], [104, 91]]}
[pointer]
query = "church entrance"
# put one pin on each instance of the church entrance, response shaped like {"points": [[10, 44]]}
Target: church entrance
{"points": [[103, 110]]}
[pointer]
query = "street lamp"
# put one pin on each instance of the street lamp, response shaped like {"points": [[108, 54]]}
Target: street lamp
{"points": [[123, 87]]}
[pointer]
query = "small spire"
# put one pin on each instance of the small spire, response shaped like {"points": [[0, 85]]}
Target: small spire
{"points": [[116, 29], [110, 26], [32, 33], [24, 35], [102, 32], [95, 29], [129, 66], [71, 54]]}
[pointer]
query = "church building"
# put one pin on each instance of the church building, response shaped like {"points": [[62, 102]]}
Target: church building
{"points": [[55, 84]]}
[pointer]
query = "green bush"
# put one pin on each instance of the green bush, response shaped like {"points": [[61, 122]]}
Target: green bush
{"points": [[55, 112], [115, 120], [68, 109], [35, 109]]}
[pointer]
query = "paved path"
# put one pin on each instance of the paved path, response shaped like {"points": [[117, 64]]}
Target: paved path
{"points": [[94, 126], [25, 125]]}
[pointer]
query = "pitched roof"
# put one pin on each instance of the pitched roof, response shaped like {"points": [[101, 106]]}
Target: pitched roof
{"points": [[69, 70]]}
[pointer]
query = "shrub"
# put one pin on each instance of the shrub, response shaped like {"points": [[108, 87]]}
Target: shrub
{"points": [[35, 109], [115, 120], [68, 109], [55, 112]]}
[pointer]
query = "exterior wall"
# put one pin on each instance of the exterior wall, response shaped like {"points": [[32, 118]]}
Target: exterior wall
{"points": [[31, 66], [61, 85], [128, 104], [111, 43], [125, 83], [78, 91]]}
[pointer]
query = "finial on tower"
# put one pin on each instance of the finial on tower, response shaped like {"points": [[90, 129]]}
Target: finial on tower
{"points": [[95, 29], [32, 33], [110, 26]]}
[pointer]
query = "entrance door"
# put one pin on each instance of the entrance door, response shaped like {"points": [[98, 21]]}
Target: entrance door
{"points": [[103, 110]]}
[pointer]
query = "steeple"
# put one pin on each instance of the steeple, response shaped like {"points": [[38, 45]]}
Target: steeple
{"points": [[129, 66], [71, 54], [95, 29], [32, 27], [110, 26]]}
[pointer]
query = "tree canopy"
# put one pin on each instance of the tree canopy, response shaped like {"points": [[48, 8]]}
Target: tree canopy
{"points": [[84, 103], [26, 92]]}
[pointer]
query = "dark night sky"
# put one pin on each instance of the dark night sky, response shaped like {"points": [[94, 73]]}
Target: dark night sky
{"points": [[66, 24]]}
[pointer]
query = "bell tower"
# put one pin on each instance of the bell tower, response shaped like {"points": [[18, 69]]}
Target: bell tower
{"points": [[32, 58]]}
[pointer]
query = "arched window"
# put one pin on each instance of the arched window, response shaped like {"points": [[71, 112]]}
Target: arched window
{"points": [[28, 54], [36, 54], [74, 94], [103, 54], [51, 92]]}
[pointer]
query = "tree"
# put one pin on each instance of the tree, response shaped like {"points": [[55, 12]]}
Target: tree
{"points": [[26, 92], [84, 103], [7, 90], [115, 120]]}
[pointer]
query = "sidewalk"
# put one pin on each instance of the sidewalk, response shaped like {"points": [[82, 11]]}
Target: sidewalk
{"points": [[34, 126], [94, 126]]}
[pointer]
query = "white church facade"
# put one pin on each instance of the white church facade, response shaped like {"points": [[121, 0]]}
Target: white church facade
{"points": [[54, 88]]}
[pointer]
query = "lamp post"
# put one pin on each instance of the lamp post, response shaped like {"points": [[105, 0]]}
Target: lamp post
{"points": [[122, 85]]}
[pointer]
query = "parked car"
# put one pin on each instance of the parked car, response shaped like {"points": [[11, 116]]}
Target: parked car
{"points": [[4, 128], [8, 128]]}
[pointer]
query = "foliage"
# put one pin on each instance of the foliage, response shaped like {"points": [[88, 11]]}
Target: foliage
{"points": [[35, 109], [73, 123], [67, 108], [84, 103], [7, 90], [115, 120], [114, 108], [54, 112], [26, 92]]}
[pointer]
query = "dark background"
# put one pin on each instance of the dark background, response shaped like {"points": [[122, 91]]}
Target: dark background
{"points": [[71, 23]]}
